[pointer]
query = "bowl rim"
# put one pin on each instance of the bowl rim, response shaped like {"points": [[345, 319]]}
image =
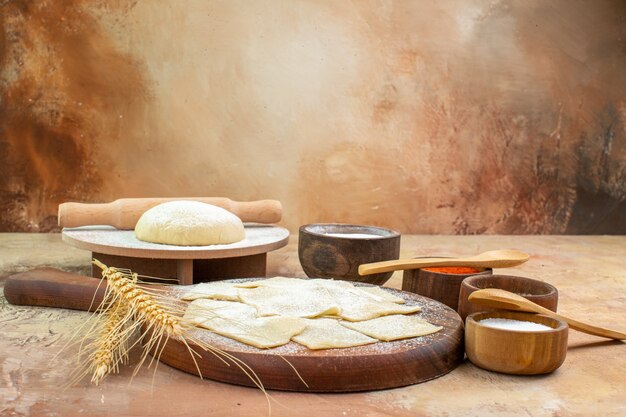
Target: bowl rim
{"points": [[471, 318], [389, 233], [551, 290]]}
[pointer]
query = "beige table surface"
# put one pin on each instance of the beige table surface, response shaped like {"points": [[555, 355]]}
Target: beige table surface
{"points": [[589, 271]]}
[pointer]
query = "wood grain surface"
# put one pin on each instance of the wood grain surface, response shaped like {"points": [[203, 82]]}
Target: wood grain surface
{"points": [[587, 270], [515, 352], [537, 291], [439, 286], [376, 366], [324, 255]]}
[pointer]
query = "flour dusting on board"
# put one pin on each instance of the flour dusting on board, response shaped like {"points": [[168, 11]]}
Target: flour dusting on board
{"points": [[431, 311]]}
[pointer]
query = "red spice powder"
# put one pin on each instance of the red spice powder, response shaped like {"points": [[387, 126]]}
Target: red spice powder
{"points": [[453, 270]]}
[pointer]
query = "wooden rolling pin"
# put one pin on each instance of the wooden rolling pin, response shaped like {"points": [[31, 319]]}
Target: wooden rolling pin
{"points": [[125, 212]]}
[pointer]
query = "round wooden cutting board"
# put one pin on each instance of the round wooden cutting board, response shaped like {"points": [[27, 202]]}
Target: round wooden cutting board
{"points": [[369, 367], [109, 240], [377, 366]]}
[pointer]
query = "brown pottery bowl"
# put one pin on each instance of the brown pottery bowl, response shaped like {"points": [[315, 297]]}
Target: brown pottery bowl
{"points": [[439, 286], [538, 292], [333, 250], [518, 352]]}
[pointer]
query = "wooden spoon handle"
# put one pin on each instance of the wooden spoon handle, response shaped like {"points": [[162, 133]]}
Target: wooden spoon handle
{"points": [[402, 264], [584, 327], [501, 299], [124, 213], [49, 287]]}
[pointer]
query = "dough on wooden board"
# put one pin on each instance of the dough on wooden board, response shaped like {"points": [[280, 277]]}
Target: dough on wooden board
{"points": [[299, 301], [238, 321], [216, 290], [394, 327], [320, 297], [308, 311], [321, 333], [378, 294], [357, 305], [280, 282], [189, 223]]}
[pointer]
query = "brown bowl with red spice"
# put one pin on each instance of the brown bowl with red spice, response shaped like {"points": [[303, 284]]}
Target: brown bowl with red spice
{"points": [[440, 283]]}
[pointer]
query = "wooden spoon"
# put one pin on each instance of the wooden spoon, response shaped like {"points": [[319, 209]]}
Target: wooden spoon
{"points": [[496, 298], [489, 259]]}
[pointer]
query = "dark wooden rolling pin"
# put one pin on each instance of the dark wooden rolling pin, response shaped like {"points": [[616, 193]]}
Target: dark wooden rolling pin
{"points": [[125, 212], [49, 287]]}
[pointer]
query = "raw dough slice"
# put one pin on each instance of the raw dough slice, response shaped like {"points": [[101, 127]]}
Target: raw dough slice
{"points": [[238, 321], [189, 223], [215, 290], [355, 306], [297, 301], [331, 283], [293, 282], [378, 294], [203, 310], [328, 333], [393, 327], [320, 297], [273, 282]]}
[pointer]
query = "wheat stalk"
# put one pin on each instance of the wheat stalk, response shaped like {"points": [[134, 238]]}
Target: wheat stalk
{"points": [[107, 345], [110, 346], [131, 314]]}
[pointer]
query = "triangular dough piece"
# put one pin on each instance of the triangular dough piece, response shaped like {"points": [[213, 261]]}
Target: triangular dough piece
{"points": [[239, 322], [358, 306], [331, 283], [328, 333], [294, 282], [378, 294], [273, 282], [217, 290], [300, 301], [393, 327], [202, 310]]}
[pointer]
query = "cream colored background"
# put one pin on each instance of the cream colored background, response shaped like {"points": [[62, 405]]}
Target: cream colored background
{"points": [[427, 117]]}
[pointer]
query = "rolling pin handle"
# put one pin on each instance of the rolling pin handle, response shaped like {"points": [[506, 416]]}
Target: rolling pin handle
{"points": [[49, 287], [80, 214], [263, 211]]}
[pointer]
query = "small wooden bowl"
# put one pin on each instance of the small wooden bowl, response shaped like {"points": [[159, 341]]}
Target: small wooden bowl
{"points": [[539, 292], [437, 285], [515, 352], [326, 256]]}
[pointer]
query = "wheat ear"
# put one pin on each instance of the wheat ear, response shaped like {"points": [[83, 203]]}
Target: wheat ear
{"points": [[159, 317], [111, 345]]}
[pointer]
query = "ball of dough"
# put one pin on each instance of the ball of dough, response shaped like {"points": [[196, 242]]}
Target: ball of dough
{"points": [[189, 223]]}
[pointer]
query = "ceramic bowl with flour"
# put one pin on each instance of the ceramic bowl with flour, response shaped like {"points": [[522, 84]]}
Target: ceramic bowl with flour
{"points": [[334, 250]]}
